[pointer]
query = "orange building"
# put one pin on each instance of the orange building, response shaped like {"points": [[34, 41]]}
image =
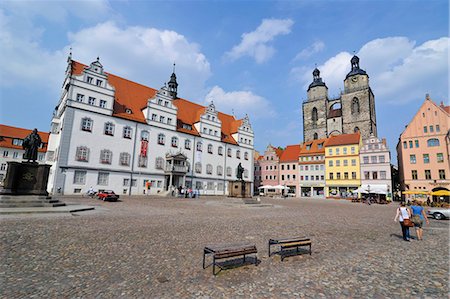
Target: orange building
{"points": [[289, 169], [312, 169], [423, 152]]}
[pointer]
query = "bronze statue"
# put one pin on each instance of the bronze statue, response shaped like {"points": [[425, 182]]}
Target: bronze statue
{"points": [[31, 144], [240, 171]]}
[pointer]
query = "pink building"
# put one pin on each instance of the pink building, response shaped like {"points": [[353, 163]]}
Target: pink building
{"points": [[257, 172], [289, 168], [423, 152], [270, 174]]}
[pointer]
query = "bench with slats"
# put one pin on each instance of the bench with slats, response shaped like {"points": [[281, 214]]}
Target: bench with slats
{"points": [[288, 243], [228, 251]]}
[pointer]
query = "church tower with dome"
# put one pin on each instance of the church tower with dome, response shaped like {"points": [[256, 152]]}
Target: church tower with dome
{"points": [[353, 111]]}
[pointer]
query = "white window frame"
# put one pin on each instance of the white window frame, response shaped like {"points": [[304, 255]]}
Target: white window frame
{"points": [[82, 154], [125, 159], [79, 177], [127, 132], [87, 124], [103, 178], [109, 129], [161, 139]]}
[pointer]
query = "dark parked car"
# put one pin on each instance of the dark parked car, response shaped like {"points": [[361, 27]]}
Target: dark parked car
{"points": [[107, 195], [439, 213]]}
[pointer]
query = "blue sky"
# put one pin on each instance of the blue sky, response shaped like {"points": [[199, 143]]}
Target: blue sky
{"points": [[252, 57]]}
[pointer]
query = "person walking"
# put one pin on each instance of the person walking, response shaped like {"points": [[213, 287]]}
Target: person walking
{"points": [[418, 215], [403, 213]]}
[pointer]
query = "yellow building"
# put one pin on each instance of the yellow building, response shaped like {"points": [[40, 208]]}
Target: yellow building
{"points": [[342, 170]]}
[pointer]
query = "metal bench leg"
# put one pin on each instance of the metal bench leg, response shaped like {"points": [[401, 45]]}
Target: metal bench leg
{"points": [[269, 249], [310, 249], [203, 259], [214, 265], [244, 258]]}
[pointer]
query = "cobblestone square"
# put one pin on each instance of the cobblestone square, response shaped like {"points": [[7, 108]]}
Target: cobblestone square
{"points": [[148, 247]]}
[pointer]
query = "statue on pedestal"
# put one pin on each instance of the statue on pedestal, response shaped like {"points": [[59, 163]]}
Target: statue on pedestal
{"points": [[31, 144], [240, 171]]}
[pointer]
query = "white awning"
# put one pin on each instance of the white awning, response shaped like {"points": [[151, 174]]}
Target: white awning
{"points": [[372, 188]]}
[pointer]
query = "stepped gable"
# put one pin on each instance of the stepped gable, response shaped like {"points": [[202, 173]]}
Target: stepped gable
{"points": [[344, 139], [8, 133], [134, 96], [291, 153]]}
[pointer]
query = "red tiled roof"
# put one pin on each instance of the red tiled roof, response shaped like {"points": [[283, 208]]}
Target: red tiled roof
{"points": [[290, 153], [8, 133], [343, 139], [278, 151], [313, 149], [134, 96]]}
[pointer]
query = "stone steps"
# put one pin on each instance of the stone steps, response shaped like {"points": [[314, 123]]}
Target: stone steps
{"points": [[19, 201]]}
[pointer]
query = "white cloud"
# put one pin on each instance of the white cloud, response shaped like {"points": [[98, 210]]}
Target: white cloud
{"points": [[256, 43], [141, 54], [316, 47], [144, 55], [256, 106], [399, 71]]}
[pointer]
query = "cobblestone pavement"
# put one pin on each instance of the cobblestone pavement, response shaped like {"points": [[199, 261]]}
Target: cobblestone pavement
{"points": [[152, 248]]}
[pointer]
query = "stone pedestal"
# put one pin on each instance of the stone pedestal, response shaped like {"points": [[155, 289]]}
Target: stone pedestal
{"points": [[240, 189], [26, 179]]}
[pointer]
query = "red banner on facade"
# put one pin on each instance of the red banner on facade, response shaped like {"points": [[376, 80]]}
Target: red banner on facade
{"points": [[144, 145]]}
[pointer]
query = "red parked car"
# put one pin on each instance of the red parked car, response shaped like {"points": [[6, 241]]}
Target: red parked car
{"points": [[107, 195]]}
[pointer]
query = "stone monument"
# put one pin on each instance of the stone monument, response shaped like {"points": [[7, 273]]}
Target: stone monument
{"points": [[240, 188], [25, 183]]}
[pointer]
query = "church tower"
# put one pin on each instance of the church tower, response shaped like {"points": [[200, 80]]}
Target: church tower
{"points": [[358, 103], [173, 85], [315, 109]]}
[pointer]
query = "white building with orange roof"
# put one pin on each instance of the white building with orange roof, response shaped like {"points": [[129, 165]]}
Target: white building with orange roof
{"points": [[312, 169], [111, 133], [289, 169], [11, 150]]}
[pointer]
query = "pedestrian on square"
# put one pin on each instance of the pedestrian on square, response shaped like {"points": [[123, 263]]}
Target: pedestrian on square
{"points": [[418, 215], [403, 213]]}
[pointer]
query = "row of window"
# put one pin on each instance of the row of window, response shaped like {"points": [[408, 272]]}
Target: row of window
{"points": [[288, 177], [338, 163], [15, 155], [312, 167], [288, 166], [425, 129], [90, 80], [427, 173], [162, 119], [103, 180], [211, 132], [87, 125], [374, 175], [338, 151], [374, 159], [338, 176], [91, 101], [432, 142], [426, 158], [312, 158], [312, 177]]}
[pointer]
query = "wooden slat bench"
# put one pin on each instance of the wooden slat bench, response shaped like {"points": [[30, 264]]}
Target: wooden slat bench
{"points": [[287, 243], [227, 251]]}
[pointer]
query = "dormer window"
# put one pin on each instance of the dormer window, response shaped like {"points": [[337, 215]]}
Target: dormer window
{"points": [[128, 111], [320, 145], [89, 80], [187, 127], [99, 82]]}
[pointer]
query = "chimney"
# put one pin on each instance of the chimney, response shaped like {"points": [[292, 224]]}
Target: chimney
{"points": [[383, 140], [442, 104]]}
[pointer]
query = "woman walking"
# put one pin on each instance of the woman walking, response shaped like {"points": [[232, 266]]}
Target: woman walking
{"points": [[418, 215], [402, 214]]}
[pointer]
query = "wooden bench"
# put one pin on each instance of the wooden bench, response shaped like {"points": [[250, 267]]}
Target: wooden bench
{"points": [[227, 251], [287, 243]]}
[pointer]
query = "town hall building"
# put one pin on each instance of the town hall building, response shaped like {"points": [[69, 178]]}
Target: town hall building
{"points": [[114, 134]]}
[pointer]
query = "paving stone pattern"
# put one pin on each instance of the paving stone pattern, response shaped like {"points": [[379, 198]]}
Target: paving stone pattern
{"points": [[152, 248]]}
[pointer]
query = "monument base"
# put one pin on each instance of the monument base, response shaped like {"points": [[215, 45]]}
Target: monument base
{"points": [[26, 179], [240, 189]]}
